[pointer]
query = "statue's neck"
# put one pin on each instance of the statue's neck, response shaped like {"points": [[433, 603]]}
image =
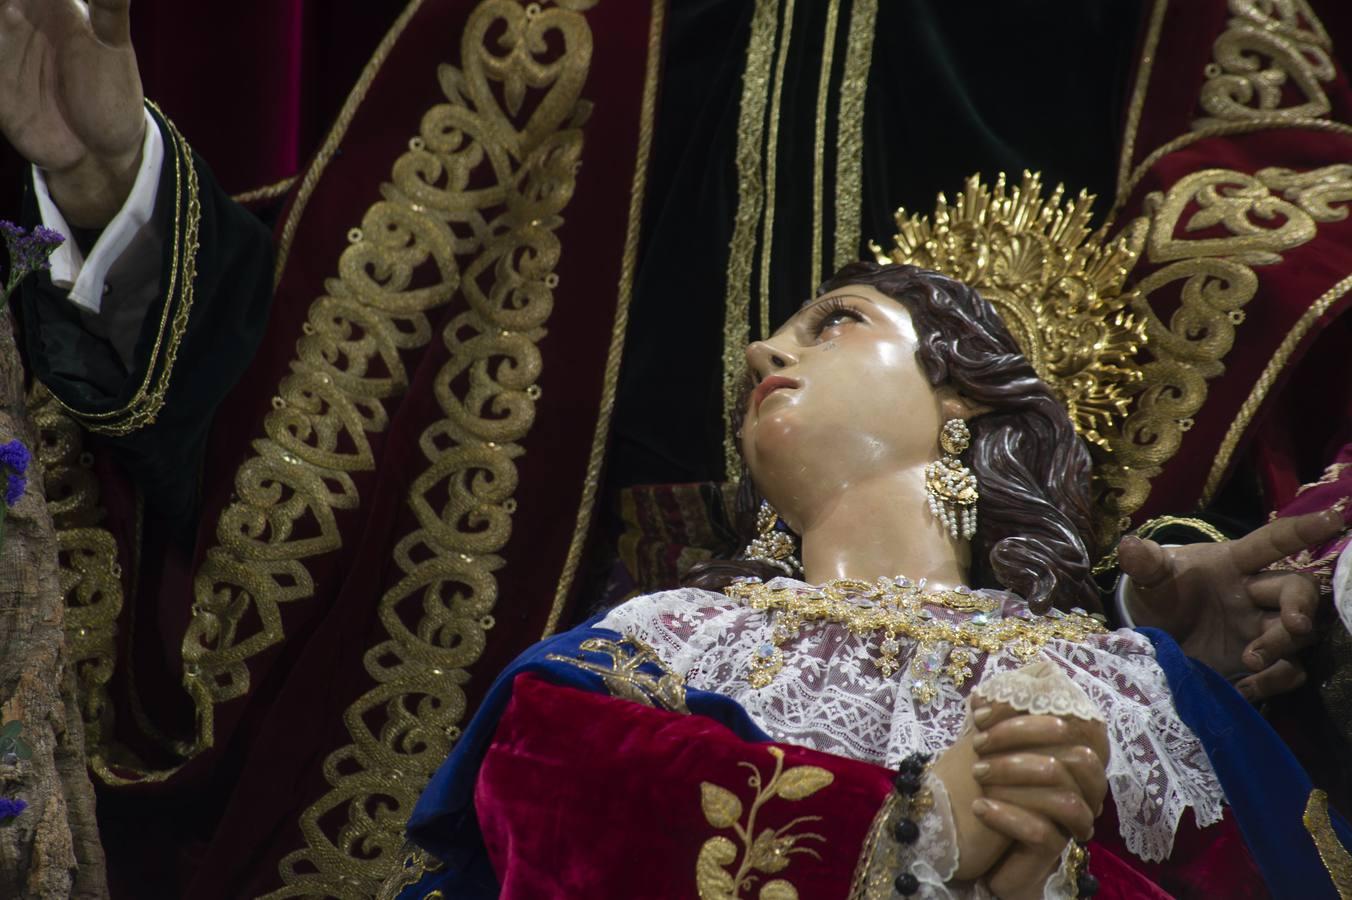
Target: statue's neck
{"points": [[880, 527]]}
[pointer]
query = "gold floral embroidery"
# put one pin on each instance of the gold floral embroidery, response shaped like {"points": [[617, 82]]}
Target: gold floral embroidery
{"points": [[769, 851], [624, 676], [438, 615], [1337, 861], [1290, 39]]}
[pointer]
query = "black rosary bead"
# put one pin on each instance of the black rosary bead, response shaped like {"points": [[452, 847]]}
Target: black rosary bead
{"points": [[906, 884], [906, 831], [1086, 886], [907, 782], [915, 763]]}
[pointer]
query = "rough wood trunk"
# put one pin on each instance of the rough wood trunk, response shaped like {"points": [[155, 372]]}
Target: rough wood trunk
{"points": [[52, 849]]}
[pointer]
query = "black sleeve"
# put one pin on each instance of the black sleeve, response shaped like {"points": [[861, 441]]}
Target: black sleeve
{"points": [[195, 342]]}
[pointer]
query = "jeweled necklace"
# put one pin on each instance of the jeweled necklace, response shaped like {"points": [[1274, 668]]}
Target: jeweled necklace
{"points": [[898, 608]]}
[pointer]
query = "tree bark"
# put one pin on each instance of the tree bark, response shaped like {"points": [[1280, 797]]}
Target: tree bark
{"points": [[52, 849]]}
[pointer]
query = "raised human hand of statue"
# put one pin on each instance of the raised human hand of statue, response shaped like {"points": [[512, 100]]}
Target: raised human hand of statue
{"points": [[1217, 601], [71, 100]]}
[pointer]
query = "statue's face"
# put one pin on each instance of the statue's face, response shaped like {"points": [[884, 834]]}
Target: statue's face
{"points": [[839, 398]]}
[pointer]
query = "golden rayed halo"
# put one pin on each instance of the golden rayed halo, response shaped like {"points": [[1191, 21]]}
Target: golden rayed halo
{"points": [[1057, 284]]}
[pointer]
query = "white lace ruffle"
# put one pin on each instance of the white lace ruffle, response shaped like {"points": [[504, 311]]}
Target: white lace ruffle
{"points": [[1039, 688], [831, 696], [934, 856]]}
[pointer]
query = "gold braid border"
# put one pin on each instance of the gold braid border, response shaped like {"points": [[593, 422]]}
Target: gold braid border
{"points": [[145, 405], [438, 615], [1337, 861], [850, 132]]}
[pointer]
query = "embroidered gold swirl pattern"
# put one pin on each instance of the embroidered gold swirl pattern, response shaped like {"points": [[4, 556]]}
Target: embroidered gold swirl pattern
{"points": [[1262, 215], [91, 577], [772, 849], [470, 166], [1269, 50], [624, 676]]}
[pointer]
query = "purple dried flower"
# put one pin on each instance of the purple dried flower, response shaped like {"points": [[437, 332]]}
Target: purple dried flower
{"points": [[11, 807], [28, 251], [14, 460]]}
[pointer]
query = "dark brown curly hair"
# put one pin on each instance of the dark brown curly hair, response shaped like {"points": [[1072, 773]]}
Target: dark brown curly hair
{"points": [[1035, 524]]}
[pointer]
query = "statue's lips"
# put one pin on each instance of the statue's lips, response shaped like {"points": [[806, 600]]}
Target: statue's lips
{"points": [[767, 387]]}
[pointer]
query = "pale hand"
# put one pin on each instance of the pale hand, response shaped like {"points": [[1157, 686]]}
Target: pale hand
{"points": [[71, 100], [1217, 601]]}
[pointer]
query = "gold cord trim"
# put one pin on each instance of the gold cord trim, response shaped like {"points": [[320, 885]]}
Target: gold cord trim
{"points": [[819, 142], [750, 199], [1265, 381], [437, 616], [1335, 857], [267, 192], [880, 857], [592, 480], [1138, 94], [850, 132], [144, 406], [1223, 130], [771, 156], [336, 134], [1151, 527]]}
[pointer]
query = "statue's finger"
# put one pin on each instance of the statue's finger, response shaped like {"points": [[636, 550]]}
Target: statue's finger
{"points": [[1021, 825], [1293, 594], [111, 20], [1282, 537], [1276, 643], [1144, 561], [1278, 678]]}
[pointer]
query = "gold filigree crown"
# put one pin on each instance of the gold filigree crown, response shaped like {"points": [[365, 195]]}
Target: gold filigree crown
{"points": [[1057, 284]]}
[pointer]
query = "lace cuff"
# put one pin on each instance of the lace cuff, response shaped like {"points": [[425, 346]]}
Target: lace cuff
{"points": [[1061, 883], [1041, 689]]}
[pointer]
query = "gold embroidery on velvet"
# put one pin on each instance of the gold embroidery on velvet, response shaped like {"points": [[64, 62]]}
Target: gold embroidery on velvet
{"points": [[1268, 378], [769, 851], [850, 131], [87, 557], [145, 405], [750, 201], [1263, 214], [335, 137], [437, 616], [1291, 39], [267, 192], [771, 157], [623, 676], [1137, 103], [592, 480], [819, 136], [1335, 857], [416, 863], [880, 859]]}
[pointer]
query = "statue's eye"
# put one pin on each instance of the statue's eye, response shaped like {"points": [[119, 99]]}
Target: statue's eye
{"points": [[830, 314]]}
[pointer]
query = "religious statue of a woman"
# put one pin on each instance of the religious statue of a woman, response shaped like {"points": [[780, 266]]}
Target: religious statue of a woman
{"points": [[945, 713]]}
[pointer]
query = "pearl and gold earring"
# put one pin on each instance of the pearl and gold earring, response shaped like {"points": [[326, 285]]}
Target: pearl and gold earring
{"points": [[951, 486]]}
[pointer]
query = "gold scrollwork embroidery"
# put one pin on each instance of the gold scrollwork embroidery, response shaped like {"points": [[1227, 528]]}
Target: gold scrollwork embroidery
{"points": [[1268, 46], [624, 676], [91, 576], [768, 851], [1261, 216], [438, 615], [416, 863], [1335, 857]]}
